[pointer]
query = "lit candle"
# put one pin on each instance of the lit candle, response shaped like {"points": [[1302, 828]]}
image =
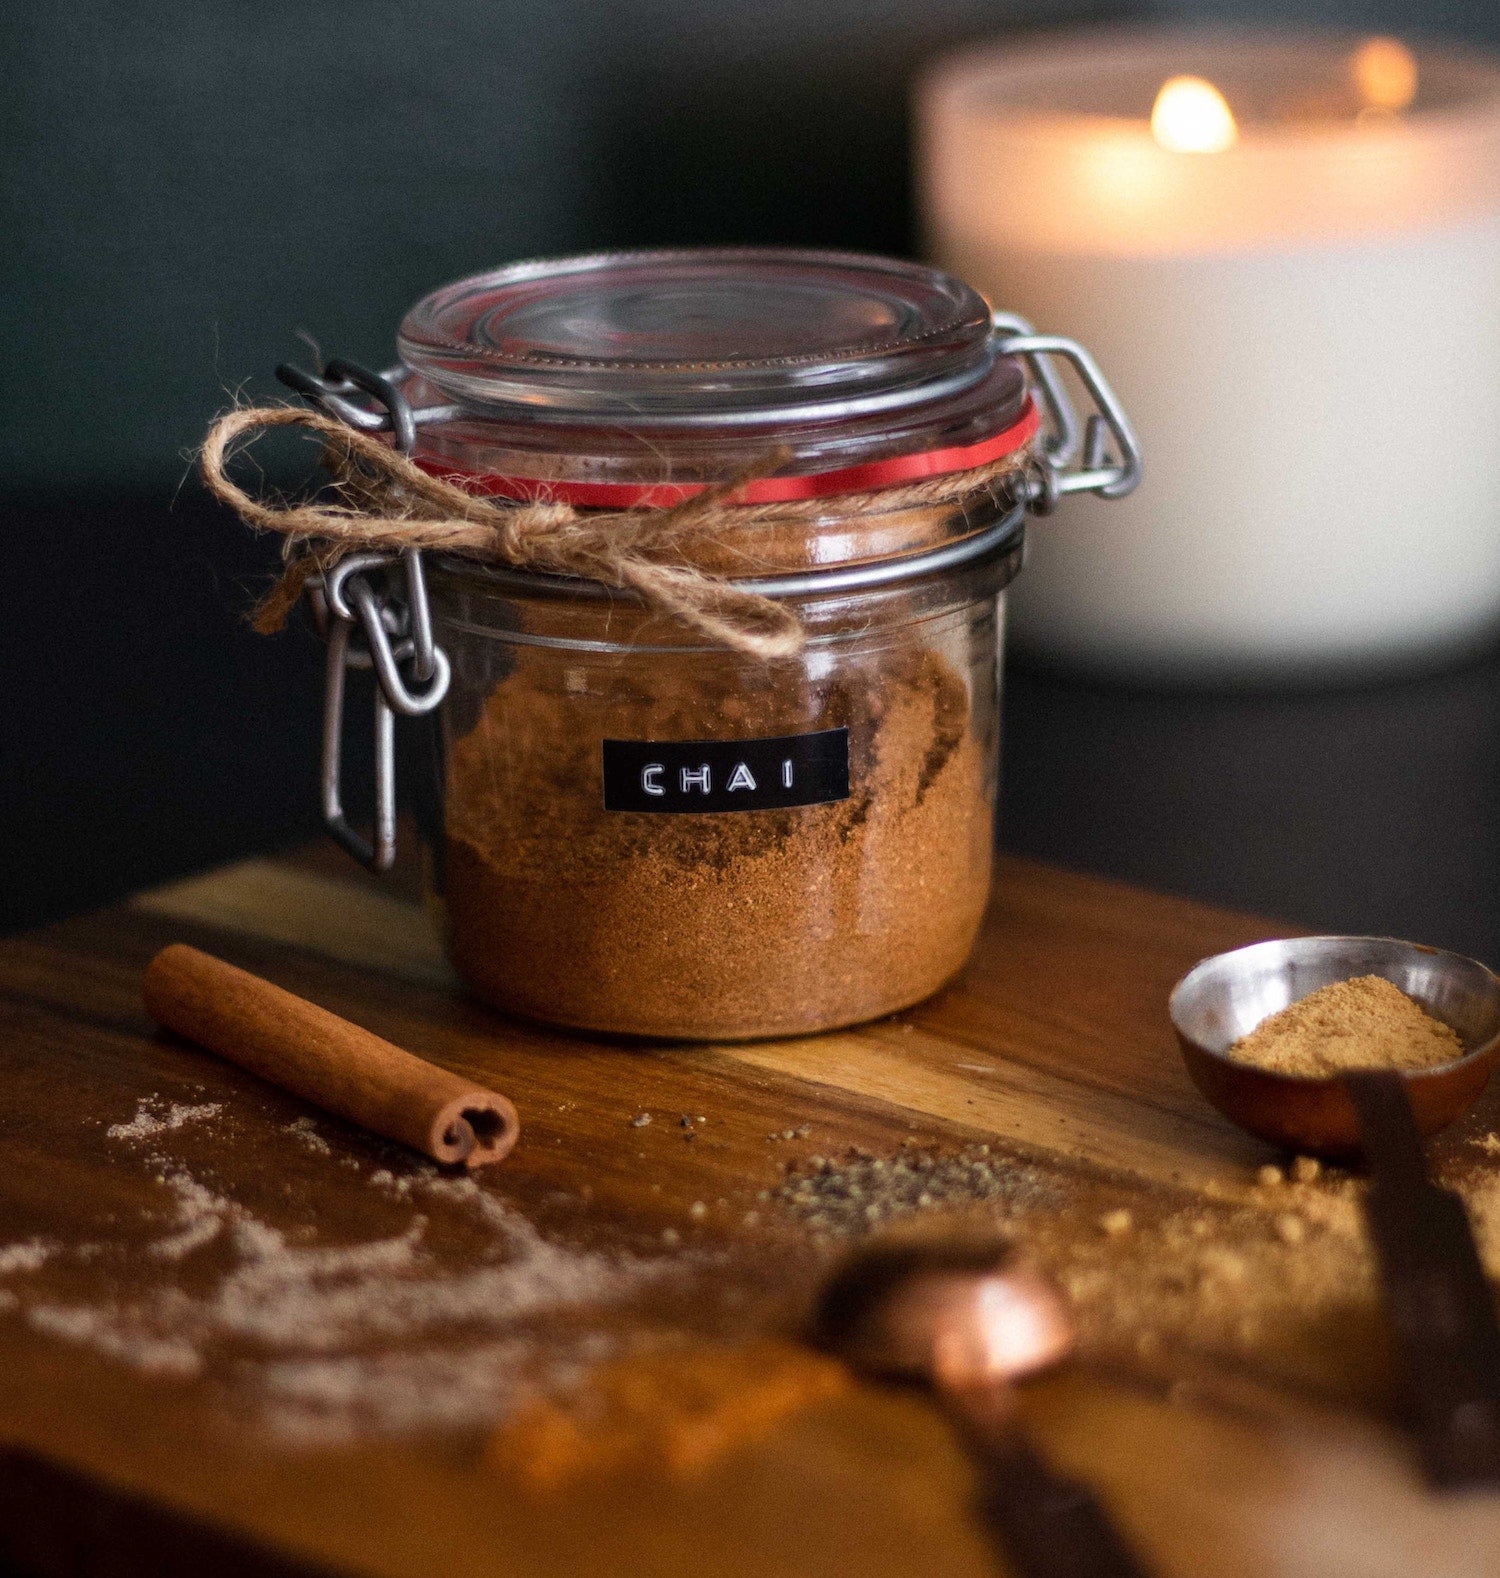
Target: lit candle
{"points": [[1285, 252]]}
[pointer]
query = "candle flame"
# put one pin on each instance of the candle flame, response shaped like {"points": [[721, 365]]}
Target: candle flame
{"points": [[1385, 74], [1191, 116]]}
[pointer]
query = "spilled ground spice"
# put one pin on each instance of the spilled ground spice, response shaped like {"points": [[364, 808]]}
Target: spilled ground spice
{"points": [[450, 1310], [676, 1411], [438, 1306], [847, 1196], [728, 925], [1278, 1276], [1367, 1022]]}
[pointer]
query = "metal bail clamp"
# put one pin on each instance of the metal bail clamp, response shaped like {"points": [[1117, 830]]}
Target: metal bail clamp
{"points": [[1110, 459], [395, 625]]}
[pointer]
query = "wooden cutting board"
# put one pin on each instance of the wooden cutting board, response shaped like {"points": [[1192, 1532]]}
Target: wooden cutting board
{"points": [[237, 1336]]}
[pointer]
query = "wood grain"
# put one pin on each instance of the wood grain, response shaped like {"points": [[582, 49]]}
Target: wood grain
{"points": [[1053, 1048]]}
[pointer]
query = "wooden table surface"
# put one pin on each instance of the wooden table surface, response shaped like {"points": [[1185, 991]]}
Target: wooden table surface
{"points": [[237, 1336]]}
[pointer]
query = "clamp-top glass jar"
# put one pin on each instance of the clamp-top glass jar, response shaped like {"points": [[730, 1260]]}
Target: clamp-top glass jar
{"points": [[645, 831]]}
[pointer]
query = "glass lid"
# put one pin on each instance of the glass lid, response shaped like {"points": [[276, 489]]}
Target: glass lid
{"points": [[717, 338]]}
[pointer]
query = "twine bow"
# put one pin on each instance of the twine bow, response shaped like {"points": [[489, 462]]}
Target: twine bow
{"points": [[382, 501]]}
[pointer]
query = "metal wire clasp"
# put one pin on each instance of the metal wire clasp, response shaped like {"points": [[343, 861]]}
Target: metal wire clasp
{"points": [[335, 390], [396, 631], [1110, 463], [382, 599]]}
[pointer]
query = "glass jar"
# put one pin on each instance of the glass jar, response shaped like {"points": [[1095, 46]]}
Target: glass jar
{"points": [[643, 831]]}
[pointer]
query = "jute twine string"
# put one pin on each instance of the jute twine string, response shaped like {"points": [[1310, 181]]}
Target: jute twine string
{"points": [[382, 501]]}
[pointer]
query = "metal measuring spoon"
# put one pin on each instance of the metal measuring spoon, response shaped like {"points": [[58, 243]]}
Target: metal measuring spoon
{"points": [[968, 1317], [1438, 1301]]}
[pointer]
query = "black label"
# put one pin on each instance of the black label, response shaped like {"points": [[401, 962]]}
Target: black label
{"points": [[726, 775]]}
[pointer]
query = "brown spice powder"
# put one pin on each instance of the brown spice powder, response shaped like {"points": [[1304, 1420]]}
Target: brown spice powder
{"points": [[728, 925], [1280, 1277], [1367, 1022], [677, 1412]]}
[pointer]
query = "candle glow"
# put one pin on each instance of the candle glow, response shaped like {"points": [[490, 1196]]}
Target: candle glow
{"points": [[1385, 75], [1191, 116], [1247, 306]]}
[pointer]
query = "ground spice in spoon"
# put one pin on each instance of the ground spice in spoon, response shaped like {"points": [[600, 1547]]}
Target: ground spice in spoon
{"points": [[1367, 1022]]}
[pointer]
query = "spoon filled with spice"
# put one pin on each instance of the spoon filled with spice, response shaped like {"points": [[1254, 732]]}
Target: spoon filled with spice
{"points": [[969, 1317], [1350, 1047]]}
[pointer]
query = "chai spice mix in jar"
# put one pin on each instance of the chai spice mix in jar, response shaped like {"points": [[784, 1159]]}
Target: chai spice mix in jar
{"points": [[731, 921], [700, 556]]}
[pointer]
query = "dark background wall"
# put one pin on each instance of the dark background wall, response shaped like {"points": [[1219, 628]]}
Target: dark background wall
{"points": [[188, 185]]}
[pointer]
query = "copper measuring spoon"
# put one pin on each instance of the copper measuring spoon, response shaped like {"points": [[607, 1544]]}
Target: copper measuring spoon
{"points": [[1437, 1299], [968, 1317]]}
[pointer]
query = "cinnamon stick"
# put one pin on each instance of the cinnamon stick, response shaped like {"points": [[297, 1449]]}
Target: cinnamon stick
{"points": [[326, 1060]]}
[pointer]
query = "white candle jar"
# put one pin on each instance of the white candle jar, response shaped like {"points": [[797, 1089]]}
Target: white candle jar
{"points": [[641, 830], [1305, 326]]}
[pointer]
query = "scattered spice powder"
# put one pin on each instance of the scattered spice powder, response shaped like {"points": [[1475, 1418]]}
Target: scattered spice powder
{"points": [[1367, 1022], [843, 1198], [157, 1117], [678, 1411], [1284, 1277], [727, 925], [457, 1312]]}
